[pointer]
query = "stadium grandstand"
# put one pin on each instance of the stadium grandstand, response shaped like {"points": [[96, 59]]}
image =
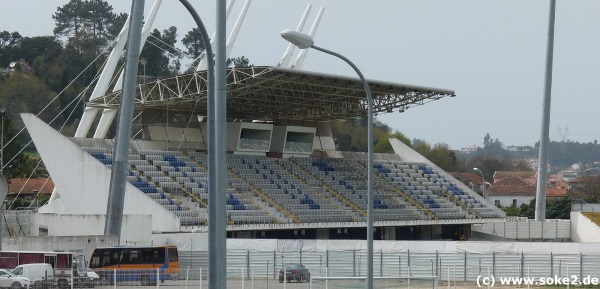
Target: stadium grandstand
{"points": [[285, 178]]}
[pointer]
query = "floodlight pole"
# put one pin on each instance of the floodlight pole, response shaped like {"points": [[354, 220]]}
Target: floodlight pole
{"points": [[116, 194], [540, 195], [4, 184], [2, 111]]}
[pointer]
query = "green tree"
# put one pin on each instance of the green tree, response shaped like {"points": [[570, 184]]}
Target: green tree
{"points": [[19, 203], [241, 61], [69, 19], [22, 92], [384, 146], [193, 43], [489, 165], [493, 147], [527, 210], [16, 163], [559, 208], [162, 57], [85, 24], [9, 41], [117, 25], [555, 209], [443, 157], [440, 154], [511, 211]]}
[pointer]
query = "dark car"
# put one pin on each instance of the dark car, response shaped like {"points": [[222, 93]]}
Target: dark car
{"points": [[294, 271]]}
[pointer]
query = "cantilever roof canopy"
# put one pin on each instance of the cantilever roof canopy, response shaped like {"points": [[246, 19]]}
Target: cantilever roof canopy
{"points": [[279, 94]]}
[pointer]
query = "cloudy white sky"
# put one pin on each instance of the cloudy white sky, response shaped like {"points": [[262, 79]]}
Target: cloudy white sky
{"points": [[491, 52]]}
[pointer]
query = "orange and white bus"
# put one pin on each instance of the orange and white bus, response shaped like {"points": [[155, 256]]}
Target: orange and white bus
{"points": [[146, 265]]}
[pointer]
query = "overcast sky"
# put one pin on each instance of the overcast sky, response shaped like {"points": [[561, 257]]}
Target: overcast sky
{"points": [[492, 53]]}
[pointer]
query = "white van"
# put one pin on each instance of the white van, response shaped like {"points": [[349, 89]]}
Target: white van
{"points": [[38, 273]]}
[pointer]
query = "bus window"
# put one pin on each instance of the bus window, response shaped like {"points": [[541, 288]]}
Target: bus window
{"points": [[173, 254]]}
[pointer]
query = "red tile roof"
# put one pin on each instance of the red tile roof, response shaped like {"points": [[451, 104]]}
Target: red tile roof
{"points": [[472, 177], [516, 186], [27, 187], [512, 186]]}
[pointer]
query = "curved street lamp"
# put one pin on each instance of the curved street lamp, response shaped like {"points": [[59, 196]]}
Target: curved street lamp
{"points": [[3, 182], [482, 182], [217, 174], [304, 41]]}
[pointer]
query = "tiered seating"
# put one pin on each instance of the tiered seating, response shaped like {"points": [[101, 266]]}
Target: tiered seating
{"points": [[241, 207], [308, 202], [412, 181], [436, 193], [348, 178], [268, 190]]}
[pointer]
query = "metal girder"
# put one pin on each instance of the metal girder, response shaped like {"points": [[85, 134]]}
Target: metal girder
{"points": [[271, 93]]}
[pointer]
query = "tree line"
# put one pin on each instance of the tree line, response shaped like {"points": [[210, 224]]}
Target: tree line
{"points": [[50, 75]]}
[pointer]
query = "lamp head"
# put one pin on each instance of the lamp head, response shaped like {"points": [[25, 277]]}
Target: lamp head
{"points": [[3, 110], [475, 169], [301, 40]]}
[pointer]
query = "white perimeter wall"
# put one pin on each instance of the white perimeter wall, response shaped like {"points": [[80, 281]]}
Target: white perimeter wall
{"points": [[199, 242], [76, 244], [583, 229], [549, 229], [136, 229]]}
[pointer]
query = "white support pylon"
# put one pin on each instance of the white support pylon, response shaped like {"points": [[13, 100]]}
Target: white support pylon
{"points": [[287, 55], [202, 64], [300, 59], [108, 115]]}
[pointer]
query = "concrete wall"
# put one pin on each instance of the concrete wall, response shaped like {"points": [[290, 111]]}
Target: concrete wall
{"points": [[76, 244], [583, 229], [527, 230], [136, 229], [507, 201], [324, 137], [175, 134]]}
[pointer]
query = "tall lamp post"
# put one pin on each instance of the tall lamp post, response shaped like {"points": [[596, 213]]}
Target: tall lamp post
{"points": [[2, 111], [3, 182], [217, 172], [482, 182], [304, 41]]}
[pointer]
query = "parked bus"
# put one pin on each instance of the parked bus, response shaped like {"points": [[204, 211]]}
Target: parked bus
{"points": [[64, 264], [146, 265]]}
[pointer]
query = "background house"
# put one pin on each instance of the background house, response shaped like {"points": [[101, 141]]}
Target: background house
{"points": [[517, 188], [28, 191]]}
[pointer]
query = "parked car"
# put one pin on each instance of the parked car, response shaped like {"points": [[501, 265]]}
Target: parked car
{"points": [[12, 281], [294, 271], [41, 275]]}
